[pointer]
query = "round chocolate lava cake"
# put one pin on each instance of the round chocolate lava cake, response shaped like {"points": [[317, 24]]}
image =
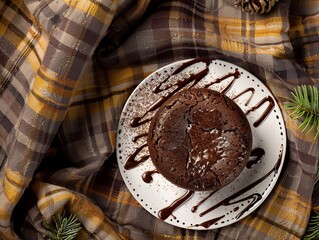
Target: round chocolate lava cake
{"points": [[199, 139]]}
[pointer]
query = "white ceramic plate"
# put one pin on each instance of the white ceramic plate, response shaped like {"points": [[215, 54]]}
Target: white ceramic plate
{"points": [[234, 201]]}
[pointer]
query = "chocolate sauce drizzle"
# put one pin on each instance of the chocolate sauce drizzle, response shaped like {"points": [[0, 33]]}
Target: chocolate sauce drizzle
{"points": [[194, 208], [135, 138], [159, 87], [270, 106], [147, 176], [252, 90], [256, 154], [137, 121], [210, 222], [131, 162], [235, 74], [256, 196], [195, 78], [166, 212]]}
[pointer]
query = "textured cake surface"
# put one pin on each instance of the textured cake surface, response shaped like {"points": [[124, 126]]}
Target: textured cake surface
{"points": [[199, 139]]}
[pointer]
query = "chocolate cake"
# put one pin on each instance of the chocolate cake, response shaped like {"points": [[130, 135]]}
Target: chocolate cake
{"points": [[199, 139]]}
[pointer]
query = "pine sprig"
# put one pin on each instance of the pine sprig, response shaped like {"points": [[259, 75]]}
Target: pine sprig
{"points": [[312, 232], [305, 106], [63, 227]]}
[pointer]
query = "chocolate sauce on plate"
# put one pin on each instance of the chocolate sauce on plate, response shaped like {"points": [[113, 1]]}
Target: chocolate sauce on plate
{"points": [[166, 212], [270, 106], [256, 154], [194, 208], [135, 138], [210, 222], [159, 88], [147, 176], [235, 74], [252, 90], [131, 162]]}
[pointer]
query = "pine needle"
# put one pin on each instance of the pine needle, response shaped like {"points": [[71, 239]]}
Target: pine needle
{"points": [[312, 232], [304, 106], [63, 227]]}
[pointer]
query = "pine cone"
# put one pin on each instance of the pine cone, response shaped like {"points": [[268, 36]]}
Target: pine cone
{"points": [[255, 6]]}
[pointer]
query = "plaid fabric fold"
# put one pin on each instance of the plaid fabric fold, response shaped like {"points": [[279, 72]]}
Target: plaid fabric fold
{"points": [[66, 71]]}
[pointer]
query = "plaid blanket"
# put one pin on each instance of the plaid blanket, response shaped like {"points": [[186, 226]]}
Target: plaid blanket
{"points": [[66, 71]]}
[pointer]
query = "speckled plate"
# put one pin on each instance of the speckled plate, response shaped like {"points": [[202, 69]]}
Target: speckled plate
{"points": [[202, 210]]}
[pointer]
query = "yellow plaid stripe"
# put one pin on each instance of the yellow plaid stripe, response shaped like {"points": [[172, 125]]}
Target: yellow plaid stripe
{"points": [[42, 100], [229, 27], [43, 109], [57, 199], [14, 183], [92, 8], [43, 87], [120, 76], [239, 47], [231, 30], [4, 214]]}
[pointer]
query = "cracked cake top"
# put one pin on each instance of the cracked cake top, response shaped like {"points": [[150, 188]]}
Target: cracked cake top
{"points": [[199, 139]]}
